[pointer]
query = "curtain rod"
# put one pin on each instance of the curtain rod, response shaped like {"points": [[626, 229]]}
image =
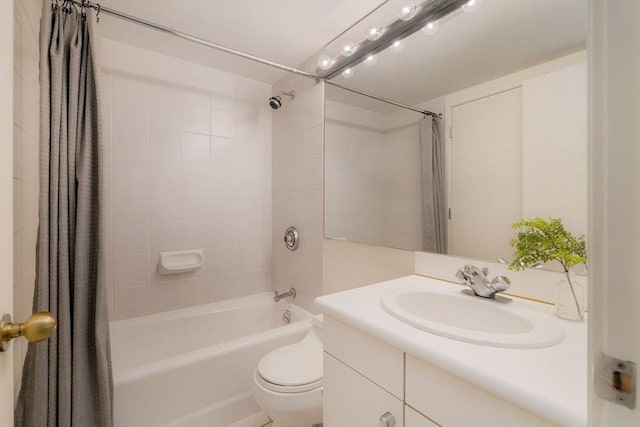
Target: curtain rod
{"points": [[100, 9], [388, 101]]}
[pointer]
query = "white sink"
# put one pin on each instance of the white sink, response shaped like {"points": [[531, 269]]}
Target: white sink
{"points": [[472, 319]]}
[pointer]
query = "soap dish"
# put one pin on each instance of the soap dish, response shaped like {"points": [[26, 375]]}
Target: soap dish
{"points": [[175, 262]]}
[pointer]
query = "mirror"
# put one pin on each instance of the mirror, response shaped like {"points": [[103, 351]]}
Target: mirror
{"points": [[510, 82]]}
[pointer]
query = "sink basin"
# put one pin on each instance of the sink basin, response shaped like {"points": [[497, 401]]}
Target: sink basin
{"points": [[452, 314]]}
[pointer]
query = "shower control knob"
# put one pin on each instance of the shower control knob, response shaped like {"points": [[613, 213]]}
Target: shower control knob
{"points": [[387, 420], [291, 238]]}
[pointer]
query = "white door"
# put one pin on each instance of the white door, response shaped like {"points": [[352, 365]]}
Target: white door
{"points": [[614, 220], [486, 175], [6, 201]]}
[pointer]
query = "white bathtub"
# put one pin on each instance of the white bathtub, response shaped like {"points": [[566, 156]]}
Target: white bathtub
{"points": [[193, 367]]}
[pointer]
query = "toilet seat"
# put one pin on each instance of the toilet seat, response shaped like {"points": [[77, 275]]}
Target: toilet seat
{"points": [[287, 388], [293, 368]]}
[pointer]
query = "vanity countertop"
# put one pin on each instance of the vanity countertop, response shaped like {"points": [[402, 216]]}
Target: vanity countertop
{"points": [[549, 382]]}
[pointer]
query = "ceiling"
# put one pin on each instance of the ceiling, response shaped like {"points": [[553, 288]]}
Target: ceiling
{"points": [[284, 31], [501, 37]]}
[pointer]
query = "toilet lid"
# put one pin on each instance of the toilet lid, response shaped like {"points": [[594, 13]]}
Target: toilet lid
{"points": [[293, 365]]}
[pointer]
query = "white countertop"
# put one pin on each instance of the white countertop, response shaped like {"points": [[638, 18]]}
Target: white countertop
{"points": [[549, 382]]}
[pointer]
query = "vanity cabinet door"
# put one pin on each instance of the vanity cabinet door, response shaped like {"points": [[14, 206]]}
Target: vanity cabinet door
{"points": [[452, 402], [372, 358], [413, 418], [351, 400]]}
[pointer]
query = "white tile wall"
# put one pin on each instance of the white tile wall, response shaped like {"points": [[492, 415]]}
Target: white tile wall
{"points": [[25, 164], [190, 156], [297, 189], [373, 181]]}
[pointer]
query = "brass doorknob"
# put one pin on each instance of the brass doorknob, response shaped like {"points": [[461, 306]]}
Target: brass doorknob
{"points": [[37, 328]]}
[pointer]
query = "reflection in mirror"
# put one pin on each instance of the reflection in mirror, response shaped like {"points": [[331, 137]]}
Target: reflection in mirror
{"points": [[373, 174], [510, 80]]}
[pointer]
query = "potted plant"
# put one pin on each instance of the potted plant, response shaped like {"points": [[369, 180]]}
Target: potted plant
{"points": [[540, 241]]}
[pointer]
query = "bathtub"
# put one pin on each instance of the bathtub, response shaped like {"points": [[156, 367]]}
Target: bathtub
{"points": [[193, 367]]}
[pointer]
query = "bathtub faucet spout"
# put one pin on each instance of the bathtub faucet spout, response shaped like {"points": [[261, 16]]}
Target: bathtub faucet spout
{"points": [[291, 293]]}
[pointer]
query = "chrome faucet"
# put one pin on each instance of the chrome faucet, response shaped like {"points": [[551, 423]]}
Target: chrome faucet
{"points": [[291, 293], [478, 281]]}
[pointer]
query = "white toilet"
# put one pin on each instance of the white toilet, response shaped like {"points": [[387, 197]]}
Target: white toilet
{"points": [[288, 381]]}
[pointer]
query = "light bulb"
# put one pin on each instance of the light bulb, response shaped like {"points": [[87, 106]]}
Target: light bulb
{"points": [[324, 61], [471, 6], [347, 48], [374, 33], [397, 46], [347, 73], [407, 12], [371, 60], [431, 28]]}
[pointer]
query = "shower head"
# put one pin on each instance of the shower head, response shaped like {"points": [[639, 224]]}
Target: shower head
{"points": [[275, 102]]}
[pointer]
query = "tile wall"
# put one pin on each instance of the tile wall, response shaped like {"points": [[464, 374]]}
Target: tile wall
{"points": [[373, 181], [355, 145], [25, 165], [298, 187], [188, 152]]}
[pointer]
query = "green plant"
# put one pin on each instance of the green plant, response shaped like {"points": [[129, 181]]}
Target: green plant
{"points": [[544, 241]]}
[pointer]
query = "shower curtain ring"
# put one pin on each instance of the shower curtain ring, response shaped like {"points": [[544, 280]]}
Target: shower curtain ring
{"points": [[98, 13]]}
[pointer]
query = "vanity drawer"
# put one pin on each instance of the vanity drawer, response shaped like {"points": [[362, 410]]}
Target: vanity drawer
{"points": [[376, 360], [351, 400], [452, 402]]}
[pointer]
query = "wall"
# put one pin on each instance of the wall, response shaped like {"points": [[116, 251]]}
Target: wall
{"points": [[188, 153], [7, 74], [614, 197], [26, 109], [297, 187], [349, 265]]}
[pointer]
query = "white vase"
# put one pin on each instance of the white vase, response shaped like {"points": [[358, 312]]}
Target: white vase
{"points": [[570, 298]]}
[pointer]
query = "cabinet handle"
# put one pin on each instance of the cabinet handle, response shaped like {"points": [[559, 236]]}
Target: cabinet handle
{"points": [[387, 420]]}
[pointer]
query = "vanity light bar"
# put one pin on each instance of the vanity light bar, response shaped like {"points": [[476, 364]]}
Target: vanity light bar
{"points": [[397, 30]]}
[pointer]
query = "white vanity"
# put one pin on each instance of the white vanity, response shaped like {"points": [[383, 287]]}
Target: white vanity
{"points": [[379, 370]]}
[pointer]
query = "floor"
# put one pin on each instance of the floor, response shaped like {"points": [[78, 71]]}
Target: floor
{"points": [[256, 420]]}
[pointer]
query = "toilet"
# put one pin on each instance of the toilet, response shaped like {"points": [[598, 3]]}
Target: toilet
{"points": [[287, 382]]}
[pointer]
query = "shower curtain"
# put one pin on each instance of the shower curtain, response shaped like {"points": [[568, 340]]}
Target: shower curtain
{"points": [[67, 379], [434, 221]]}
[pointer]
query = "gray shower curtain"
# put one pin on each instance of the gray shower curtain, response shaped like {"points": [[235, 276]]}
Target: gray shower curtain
{"points": [[67, 379], [434, 221]]}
